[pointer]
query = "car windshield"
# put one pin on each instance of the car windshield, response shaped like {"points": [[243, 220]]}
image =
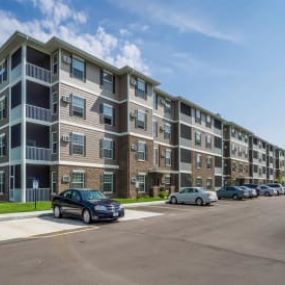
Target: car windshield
{"points": [[91, 195]]}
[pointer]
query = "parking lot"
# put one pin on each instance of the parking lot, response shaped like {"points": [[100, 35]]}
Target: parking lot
{"points": [[231, 242]]}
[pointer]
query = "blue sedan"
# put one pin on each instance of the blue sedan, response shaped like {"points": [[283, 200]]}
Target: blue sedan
{"points": [[89, 204]]}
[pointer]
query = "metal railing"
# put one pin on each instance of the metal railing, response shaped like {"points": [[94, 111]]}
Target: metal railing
{"points": [[16, 72], [218, 170], [38, 153], [38, 72], [43, 194], [38, 113], [16, 153]]}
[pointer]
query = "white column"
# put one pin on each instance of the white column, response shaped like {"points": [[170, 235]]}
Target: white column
{"points": [[23, 126], [178, 154]]}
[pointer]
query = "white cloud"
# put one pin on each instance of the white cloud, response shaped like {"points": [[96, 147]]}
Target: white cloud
{"points": [[173, 17], [59, 19]]}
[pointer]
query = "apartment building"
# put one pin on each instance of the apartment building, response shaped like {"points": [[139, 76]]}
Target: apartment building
{"points": [[236, 154], [271, 163], [200, 146], [69, 119], [258, 159], [280, 164]]}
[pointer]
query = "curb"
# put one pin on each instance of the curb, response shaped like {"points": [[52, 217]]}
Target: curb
{"points": [[35, 214]]}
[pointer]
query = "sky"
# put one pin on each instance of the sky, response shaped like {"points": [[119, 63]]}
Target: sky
{"points": [[227, 56]]}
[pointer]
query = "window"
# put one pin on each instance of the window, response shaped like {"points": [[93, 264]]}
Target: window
{"points": [[155, 129], [185, 155], [208, 141], [197, 138], [199, 161], [167, 180], [78, 179], [217, 124], [185, 109], [78, 106], [156, 155], [3, 71], [255, 168], [55, 64], [209, 183], [141, 120], [2, 182], [54, 142], [199, 182], [107, 148], [141, 153], [167, 107], [218, 142], [2, 145], [185, 132], [77, 143], [53, 182], [108, 114], [54, 102], [141, 183], [168, 157], [108, 183], [209, 162], [3, 108], [208, 121], [197, 116], [141, 88], [108, 80], [167, 131], [78, 68], [16, 58]]}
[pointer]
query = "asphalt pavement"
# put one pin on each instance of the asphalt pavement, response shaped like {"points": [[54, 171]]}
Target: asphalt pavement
{"points": [[231, 242]]}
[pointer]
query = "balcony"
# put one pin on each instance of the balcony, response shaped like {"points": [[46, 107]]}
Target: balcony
{"points": [[38, 113], [16, 153], [218, 171], [16, 73], [38, 72], [38, 153]]}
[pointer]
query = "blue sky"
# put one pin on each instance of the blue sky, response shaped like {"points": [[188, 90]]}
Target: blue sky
{"points": [[227, 56]]}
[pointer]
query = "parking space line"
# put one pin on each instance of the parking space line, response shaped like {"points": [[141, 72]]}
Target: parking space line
{"points": [[173, 208]]}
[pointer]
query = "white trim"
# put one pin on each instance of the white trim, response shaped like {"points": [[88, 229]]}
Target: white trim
{"points": [[86, 164], [237, 159], [4, 126], [164, 118], [91, 92], [201, 129], [201, 151]]}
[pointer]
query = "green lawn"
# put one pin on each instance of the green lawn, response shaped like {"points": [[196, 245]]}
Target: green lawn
{"points": [[41, 206], [23, 207]]}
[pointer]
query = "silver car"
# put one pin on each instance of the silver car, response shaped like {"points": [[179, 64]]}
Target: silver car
{"points": [[265, 190], [252, 192], [278, 187], [193, 195]]}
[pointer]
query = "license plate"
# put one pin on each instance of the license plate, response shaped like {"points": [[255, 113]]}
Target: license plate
{"points": [[115, 214]]}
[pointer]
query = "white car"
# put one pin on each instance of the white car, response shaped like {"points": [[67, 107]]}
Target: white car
{"points": [[193, 195], [265, 190], [278, 187]]}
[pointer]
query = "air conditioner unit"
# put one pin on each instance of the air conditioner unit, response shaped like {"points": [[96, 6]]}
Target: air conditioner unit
{"points": [[162, 101], [65, 138], [133, 81], [65, 178], [65, 99], [66, 59], [133, 180], [134, 147], [161, 129], [132, 116]]}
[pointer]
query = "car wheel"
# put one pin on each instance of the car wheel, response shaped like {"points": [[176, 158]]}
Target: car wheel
{"points": [[267, 194], [199, 202], [57, 212], [86, 217], [173, 200], [235, 197]]}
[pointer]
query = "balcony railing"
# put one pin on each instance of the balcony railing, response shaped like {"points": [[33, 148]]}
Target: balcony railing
{"points": [[38, 72], [16, 153], [16, 72], [218, 171], [38, 153], [42, 194], [38, 113]]}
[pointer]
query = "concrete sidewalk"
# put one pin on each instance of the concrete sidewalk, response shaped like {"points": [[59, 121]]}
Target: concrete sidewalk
{"points": [[34, 214]]}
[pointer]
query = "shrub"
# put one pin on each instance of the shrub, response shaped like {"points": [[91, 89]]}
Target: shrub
{"points": [[162, 194]]}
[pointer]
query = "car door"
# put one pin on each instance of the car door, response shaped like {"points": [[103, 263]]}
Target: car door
{"points": [[66, 202], [229, 191], [76, 203], [194, 195], [189, 196], [182, 196]]}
